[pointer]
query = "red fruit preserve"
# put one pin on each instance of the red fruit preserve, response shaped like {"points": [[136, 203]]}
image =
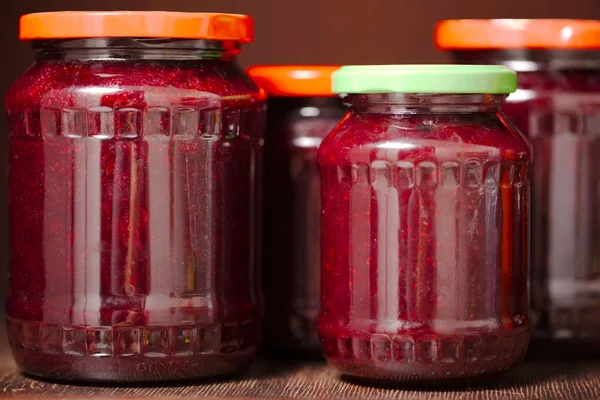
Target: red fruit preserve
{"points": [[302, 110], [425, 197], [134, 144], [557, 106]]}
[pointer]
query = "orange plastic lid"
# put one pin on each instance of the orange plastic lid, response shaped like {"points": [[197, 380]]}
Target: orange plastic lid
{"points": [[152, 24], [488, 34], [294, 80]]}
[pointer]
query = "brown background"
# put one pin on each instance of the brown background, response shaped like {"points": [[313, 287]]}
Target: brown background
{"points": [[294, 31]]}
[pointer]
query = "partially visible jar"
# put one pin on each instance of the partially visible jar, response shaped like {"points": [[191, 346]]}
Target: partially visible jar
{"points": [[425, 192], [557, 107], [302, 110], [134, 143]]}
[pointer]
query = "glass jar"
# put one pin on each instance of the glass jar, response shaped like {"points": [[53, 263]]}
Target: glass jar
{"points": [[557, 106], [134, 143], [302, 111], [425, 197]]}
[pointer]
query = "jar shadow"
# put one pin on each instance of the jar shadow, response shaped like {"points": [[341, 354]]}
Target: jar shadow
{"points": [[260, 370], [534, 375], [129, 385]]}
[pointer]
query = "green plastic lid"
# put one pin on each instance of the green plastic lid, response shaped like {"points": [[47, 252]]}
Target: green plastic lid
{"points": [[472, 79]]}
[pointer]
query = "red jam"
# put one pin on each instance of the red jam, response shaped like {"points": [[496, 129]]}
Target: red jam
{"points": [[557, 106], [301, 111], [424, 238], [132, 196]]}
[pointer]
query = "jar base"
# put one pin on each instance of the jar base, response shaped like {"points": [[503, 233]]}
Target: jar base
{"points": [[129, 354], [426, 358], [280, 343], [462, 383], [130, 370]]}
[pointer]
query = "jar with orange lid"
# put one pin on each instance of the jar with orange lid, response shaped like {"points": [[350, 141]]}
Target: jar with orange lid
{"points": [[133, 192], [302, 110], [557, 106]]}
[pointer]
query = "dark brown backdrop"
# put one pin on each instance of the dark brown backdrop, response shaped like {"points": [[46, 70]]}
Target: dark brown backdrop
{"points": [[294, 31]]}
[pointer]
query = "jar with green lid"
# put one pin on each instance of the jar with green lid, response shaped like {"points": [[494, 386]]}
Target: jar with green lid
{"points": [[424, 235]]}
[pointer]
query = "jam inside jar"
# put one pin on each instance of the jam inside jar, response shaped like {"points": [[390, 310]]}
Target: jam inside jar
{"points": [[302, 110], [425, 200], [133, 198], [557, 107]]}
